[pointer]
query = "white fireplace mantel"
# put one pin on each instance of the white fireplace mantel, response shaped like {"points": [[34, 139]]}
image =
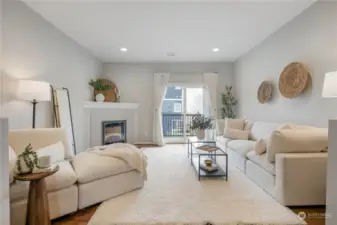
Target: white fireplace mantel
{"points": [[110, 105], [101, 111]]}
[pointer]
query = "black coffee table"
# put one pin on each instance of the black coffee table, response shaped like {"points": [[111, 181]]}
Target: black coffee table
{"points": [[198, 156]]}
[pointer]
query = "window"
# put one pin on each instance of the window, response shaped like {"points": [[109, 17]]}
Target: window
{"points": [[177, 107], [177, 88]]}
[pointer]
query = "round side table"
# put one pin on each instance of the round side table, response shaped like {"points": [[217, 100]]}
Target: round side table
{"points": [[37, 206]]}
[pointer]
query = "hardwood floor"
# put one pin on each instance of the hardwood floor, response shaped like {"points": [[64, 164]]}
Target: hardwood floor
{"points": [[82, 217]]}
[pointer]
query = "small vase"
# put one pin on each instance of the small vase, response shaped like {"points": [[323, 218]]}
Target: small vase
{"points": [[201, 134], [99, 97]]}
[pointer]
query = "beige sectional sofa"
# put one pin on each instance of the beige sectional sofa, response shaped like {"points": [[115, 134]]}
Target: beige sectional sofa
{"points": [[292, 177], [82, 180]]}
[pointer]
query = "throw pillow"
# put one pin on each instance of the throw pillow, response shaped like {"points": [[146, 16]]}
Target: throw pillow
{"points": [[260, 147], [237, 124], [236, 134], [297, 141], [54, 151], [12, 161]]}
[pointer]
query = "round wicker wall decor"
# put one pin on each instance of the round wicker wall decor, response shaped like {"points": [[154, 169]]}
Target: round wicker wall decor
{"points": [[293, 80], [110, 95], [264, 92]]}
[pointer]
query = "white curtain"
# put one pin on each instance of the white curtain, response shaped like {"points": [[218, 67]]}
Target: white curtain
{"points": [[160, 82], [211, 84]]}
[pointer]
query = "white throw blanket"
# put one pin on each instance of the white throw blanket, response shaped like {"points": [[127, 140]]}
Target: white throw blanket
{"points": [[130, 154]]}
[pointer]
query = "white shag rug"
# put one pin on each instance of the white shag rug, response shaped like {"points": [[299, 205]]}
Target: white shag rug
{"points": [[173, 195]]}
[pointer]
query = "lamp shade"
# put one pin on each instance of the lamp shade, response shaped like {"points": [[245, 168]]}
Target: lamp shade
{"points": [[29, 90], [330, 85]]}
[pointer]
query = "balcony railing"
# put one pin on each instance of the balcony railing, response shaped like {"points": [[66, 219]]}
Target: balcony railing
{"points": [[173, 125]]}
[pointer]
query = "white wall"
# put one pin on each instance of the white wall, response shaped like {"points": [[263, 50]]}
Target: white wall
{"points": [[35, 49], [311, 38], [135, 81]]}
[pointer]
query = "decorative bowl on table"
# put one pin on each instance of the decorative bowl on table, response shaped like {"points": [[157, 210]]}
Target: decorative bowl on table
{"points": [[208, 162]]}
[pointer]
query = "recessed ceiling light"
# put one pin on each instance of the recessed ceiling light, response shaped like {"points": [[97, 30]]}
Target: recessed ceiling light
{"points": [[215, 50], [124, 49]]}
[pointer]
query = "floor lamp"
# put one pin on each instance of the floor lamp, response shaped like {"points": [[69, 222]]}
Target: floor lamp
{"points": [[34, 92], [330, 85]]}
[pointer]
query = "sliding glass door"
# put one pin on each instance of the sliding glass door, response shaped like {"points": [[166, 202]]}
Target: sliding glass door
{"points": [[180, 104]]}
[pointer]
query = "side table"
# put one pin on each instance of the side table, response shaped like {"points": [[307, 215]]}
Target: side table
{"points": [[37, 206]]}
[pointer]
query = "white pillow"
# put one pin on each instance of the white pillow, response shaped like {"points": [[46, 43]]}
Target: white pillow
{"points": [[12, 163], [260, 147], [55, 151], [236, 134]]}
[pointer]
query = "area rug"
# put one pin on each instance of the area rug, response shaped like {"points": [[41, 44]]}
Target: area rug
{"points": [[173, 195]]}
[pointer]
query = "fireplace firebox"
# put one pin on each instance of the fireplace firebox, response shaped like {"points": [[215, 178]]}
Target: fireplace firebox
{"points": [[113, 132]]}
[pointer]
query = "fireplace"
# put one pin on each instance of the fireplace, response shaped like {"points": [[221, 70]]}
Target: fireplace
{"points": [[113, 131]]}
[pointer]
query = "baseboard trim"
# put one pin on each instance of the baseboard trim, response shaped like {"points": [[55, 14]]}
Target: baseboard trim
{"points": [[144, 143]]}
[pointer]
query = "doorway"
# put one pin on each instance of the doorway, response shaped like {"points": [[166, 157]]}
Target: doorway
{"points": [[180, 104]]}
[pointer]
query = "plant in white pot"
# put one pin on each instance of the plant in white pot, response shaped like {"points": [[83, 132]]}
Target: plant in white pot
{"points": [[200, 123], [99, 89]]}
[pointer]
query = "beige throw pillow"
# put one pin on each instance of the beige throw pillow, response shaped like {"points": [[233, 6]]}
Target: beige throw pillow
{"points": [[297, 141], [237, 124], [236, 134], [260, 147]]}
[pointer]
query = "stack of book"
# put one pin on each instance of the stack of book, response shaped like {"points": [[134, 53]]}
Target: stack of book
{"points": [[208, 148]]}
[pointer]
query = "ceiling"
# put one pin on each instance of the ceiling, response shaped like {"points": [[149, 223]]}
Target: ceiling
{"points": [[151, 30]]}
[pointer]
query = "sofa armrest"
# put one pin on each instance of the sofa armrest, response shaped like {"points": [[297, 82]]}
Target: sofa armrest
{"points": [[301, 178]]}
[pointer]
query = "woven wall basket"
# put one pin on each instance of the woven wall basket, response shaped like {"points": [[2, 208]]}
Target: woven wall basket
{"points": [[293, 80], [264, 92]]}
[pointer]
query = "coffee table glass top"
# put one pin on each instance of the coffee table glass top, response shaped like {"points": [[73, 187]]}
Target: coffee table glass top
{"points": [[196, 140]]}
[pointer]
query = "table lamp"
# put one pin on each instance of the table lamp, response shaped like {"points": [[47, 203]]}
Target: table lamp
{"points": [[34, 91], [330, 85]]}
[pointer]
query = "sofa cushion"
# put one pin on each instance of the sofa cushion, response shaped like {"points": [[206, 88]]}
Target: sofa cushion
{"points": [[263, 130], [63, 178], [12, 157], [89, 166], [39, 138], [297, 141], [236, 134], [18, 190], [223, 141], [261, 160], [241, 147]]}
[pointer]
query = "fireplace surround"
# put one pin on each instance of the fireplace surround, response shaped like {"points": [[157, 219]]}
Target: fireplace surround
{"points": [[113, 131]]}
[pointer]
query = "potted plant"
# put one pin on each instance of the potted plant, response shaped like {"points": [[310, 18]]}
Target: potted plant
{"points": [[27, 160], [228, 102], [99, 89], [200, 123]]}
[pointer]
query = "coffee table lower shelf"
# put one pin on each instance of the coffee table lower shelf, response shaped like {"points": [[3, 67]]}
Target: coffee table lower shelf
{"points": [[203, 173]]}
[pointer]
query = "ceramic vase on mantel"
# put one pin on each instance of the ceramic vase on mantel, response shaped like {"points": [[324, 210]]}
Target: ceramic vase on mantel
{"points": [[99, 97], [200, 134]]}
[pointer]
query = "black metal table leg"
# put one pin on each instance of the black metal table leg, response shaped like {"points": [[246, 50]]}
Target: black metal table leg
{"points": [[226, 167]]}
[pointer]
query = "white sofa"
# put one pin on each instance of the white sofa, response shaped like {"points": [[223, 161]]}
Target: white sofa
{"points": [[294, 179], [82, 180]]}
